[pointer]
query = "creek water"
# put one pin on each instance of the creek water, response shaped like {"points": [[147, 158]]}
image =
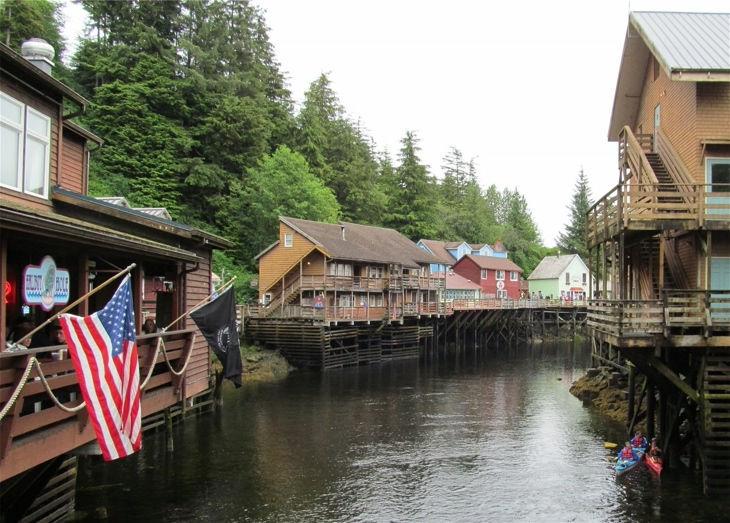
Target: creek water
{"points": [[479, 436]]}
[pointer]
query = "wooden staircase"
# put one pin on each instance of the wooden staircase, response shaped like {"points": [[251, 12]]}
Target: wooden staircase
{"points": [[290, 293], [667, 183], [716, 422]]}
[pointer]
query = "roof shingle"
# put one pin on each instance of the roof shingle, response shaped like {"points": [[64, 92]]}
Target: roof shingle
{"points": [[492, 262], [362, 242]]}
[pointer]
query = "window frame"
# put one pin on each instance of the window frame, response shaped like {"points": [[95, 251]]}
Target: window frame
{"points": [[483, 274], [25, 135], [288, 240], [585, 278], [498, 278], [19, 128], [513, 276], [567, 278]]}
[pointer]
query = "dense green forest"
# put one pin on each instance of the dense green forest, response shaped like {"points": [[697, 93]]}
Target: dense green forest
{"points": [[196, 116]]}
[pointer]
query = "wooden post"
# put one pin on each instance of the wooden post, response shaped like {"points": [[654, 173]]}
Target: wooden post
{"points": [[83, 283], [650, 408], [631, 394], [168, 431], [301, 281]]}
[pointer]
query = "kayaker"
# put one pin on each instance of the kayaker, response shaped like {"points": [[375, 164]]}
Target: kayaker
{"points": [[639, 440], [627, 453], [654, 450]]}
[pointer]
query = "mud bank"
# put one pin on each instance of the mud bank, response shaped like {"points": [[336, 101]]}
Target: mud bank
{"points": [[606, 391]]}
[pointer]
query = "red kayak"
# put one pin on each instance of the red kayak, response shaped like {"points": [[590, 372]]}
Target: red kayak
{"points": [[654, 464]]}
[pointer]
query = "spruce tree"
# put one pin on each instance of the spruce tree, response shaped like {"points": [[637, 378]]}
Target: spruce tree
{"points": [[573, 239]]}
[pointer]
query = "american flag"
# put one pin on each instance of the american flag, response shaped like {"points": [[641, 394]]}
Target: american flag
{"points": [[103, 348]]}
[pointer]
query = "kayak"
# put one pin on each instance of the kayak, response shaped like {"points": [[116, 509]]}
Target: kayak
{"points": [[640, 451], [655, 464], [623, 466]]}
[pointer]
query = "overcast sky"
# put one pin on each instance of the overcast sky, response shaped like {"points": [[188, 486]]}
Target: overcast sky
{"points": [[526, 87]]}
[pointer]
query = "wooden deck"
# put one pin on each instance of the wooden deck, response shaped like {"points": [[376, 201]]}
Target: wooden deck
{"points": [[35, 430], [682, 318]]}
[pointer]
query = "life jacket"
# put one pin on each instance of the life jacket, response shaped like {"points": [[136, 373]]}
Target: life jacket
{"points": [[627, 454], [638, 442]]}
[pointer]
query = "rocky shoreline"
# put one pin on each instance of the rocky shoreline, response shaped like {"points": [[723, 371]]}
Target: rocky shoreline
{"points": [[263, 365], [606, 391]]}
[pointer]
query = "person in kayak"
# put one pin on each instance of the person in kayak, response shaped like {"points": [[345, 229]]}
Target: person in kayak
{"points": [[654, 450], [639, 440], [627, 453]]}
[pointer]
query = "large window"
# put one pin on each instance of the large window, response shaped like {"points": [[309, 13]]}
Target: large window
{"points": [[484, 274], [25, 147], [376, 272], [500, 275], [339, 269], [513, 276]]}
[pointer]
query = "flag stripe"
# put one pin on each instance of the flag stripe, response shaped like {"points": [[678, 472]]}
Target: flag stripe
{"points": [[104, 352]]}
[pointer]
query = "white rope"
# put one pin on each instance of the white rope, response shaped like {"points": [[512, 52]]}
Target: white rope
{"points": [[58, 403], [18, 389], [152, 366], [187, 358]]}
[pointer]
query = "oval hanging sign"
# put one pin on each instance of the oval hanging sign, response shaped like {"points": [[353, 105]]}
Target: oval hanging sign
{"points": [[46, 285], [500, 285]]}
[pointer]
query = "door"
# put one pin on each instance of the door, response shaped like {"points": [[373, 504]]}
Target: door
{"points": [[720, 281], [718, 186]]}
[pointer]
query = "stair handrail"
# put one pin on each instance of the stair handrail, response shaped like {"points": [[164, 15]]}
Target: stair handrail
{"points": [[673, 162], [634, 156]]}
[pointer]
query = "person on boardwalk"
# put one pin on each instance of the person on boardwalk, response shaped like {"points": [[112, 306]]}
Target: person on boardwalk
{"points": [[639, 441]]}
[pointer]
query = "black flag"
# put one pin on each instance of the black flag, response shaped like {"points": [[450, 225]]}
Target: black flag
{"points": [[217, 321]]}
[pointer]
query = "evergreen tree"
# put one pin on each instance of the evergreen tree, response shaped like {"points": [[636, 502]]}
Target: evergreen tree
{"points": [[21, 20], [573, 239], [412, 199], [521, 235]]}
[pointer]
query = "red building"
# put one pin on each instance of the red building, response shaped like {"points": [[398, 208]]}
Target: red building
{"points": [[498, 277]]}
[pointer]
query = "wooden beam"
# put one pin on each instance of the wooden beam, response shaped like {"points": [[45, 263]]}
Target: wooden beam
{"points": [[668, 373]]}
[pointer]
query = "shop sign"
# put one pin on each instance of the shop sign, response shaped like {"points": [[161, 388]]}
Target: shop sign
{"points": [[46, 285]]}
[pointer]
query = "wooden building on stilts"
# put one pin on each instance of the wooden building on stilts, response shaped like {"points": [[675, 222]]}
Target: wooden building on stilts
{"points": [[56, 244], [660, 239]]}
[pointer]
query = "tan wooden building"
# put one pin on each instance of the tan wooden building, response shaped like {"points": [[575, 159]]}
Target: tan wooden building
{"points": [[346, 272], [661, 236], [49, 225]]}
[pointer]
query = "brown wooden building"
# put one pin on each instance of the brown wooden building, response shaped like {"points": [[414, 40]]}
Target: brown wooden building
{"points": [[49, 225], [661, 237], [346, 272]]}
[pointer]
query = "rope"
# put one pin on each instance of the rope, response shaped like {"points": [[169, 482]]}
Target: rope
{"points": [[152, 367], [58, 403], [18, 389], [187, 358]]}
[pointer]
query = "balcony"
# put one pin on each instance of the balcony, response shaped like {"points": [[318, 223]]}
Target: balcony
{"points": [[682, 318], [35, 430], [656, 207]]}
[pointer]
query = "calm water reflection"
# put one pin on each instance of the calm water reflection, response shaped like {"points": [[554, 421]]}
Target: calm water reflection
{"points": [[476, 437]]}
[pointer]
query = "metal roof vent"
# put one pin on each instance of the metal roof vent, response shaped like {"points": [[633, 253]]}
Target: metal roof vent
{"points": [[342, 228], [40, 53]]}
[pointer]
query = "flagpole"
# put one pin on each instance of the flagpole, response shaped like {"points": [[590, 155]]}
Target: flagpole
{"points": [[14, 346], [201, 303]]}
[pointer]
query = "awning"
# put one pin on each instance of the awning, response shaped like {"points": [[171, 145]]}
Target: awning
{"points": [[45, 222]]}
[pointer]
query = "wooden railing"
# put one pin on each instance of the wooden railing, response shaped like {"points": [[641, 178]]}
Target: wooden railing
{"points": [[495, 304], [647, 206], [36, 430], [703, 308], [626, 318], [633, 162], [671, 159]]}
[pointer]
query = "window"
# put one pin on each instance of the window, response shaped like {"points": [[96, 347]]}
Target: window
{"points": [[500, 275], [513, 276], [585, 278], [657, 117], [502, 294], [339, 269], [376, 272], [288, 239], [484, 274], [345, 300], [25, 147], [376, 300], [267, 298]]}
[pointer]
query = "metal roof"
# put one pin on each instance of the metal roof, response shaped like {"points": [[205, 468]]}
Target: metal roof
{"points": [[686, 41], [691, 47]]}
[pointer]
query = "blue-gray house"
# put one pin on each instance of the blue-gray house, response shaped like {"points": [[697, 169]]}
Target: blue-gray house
{"points": [[449, 253]]}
